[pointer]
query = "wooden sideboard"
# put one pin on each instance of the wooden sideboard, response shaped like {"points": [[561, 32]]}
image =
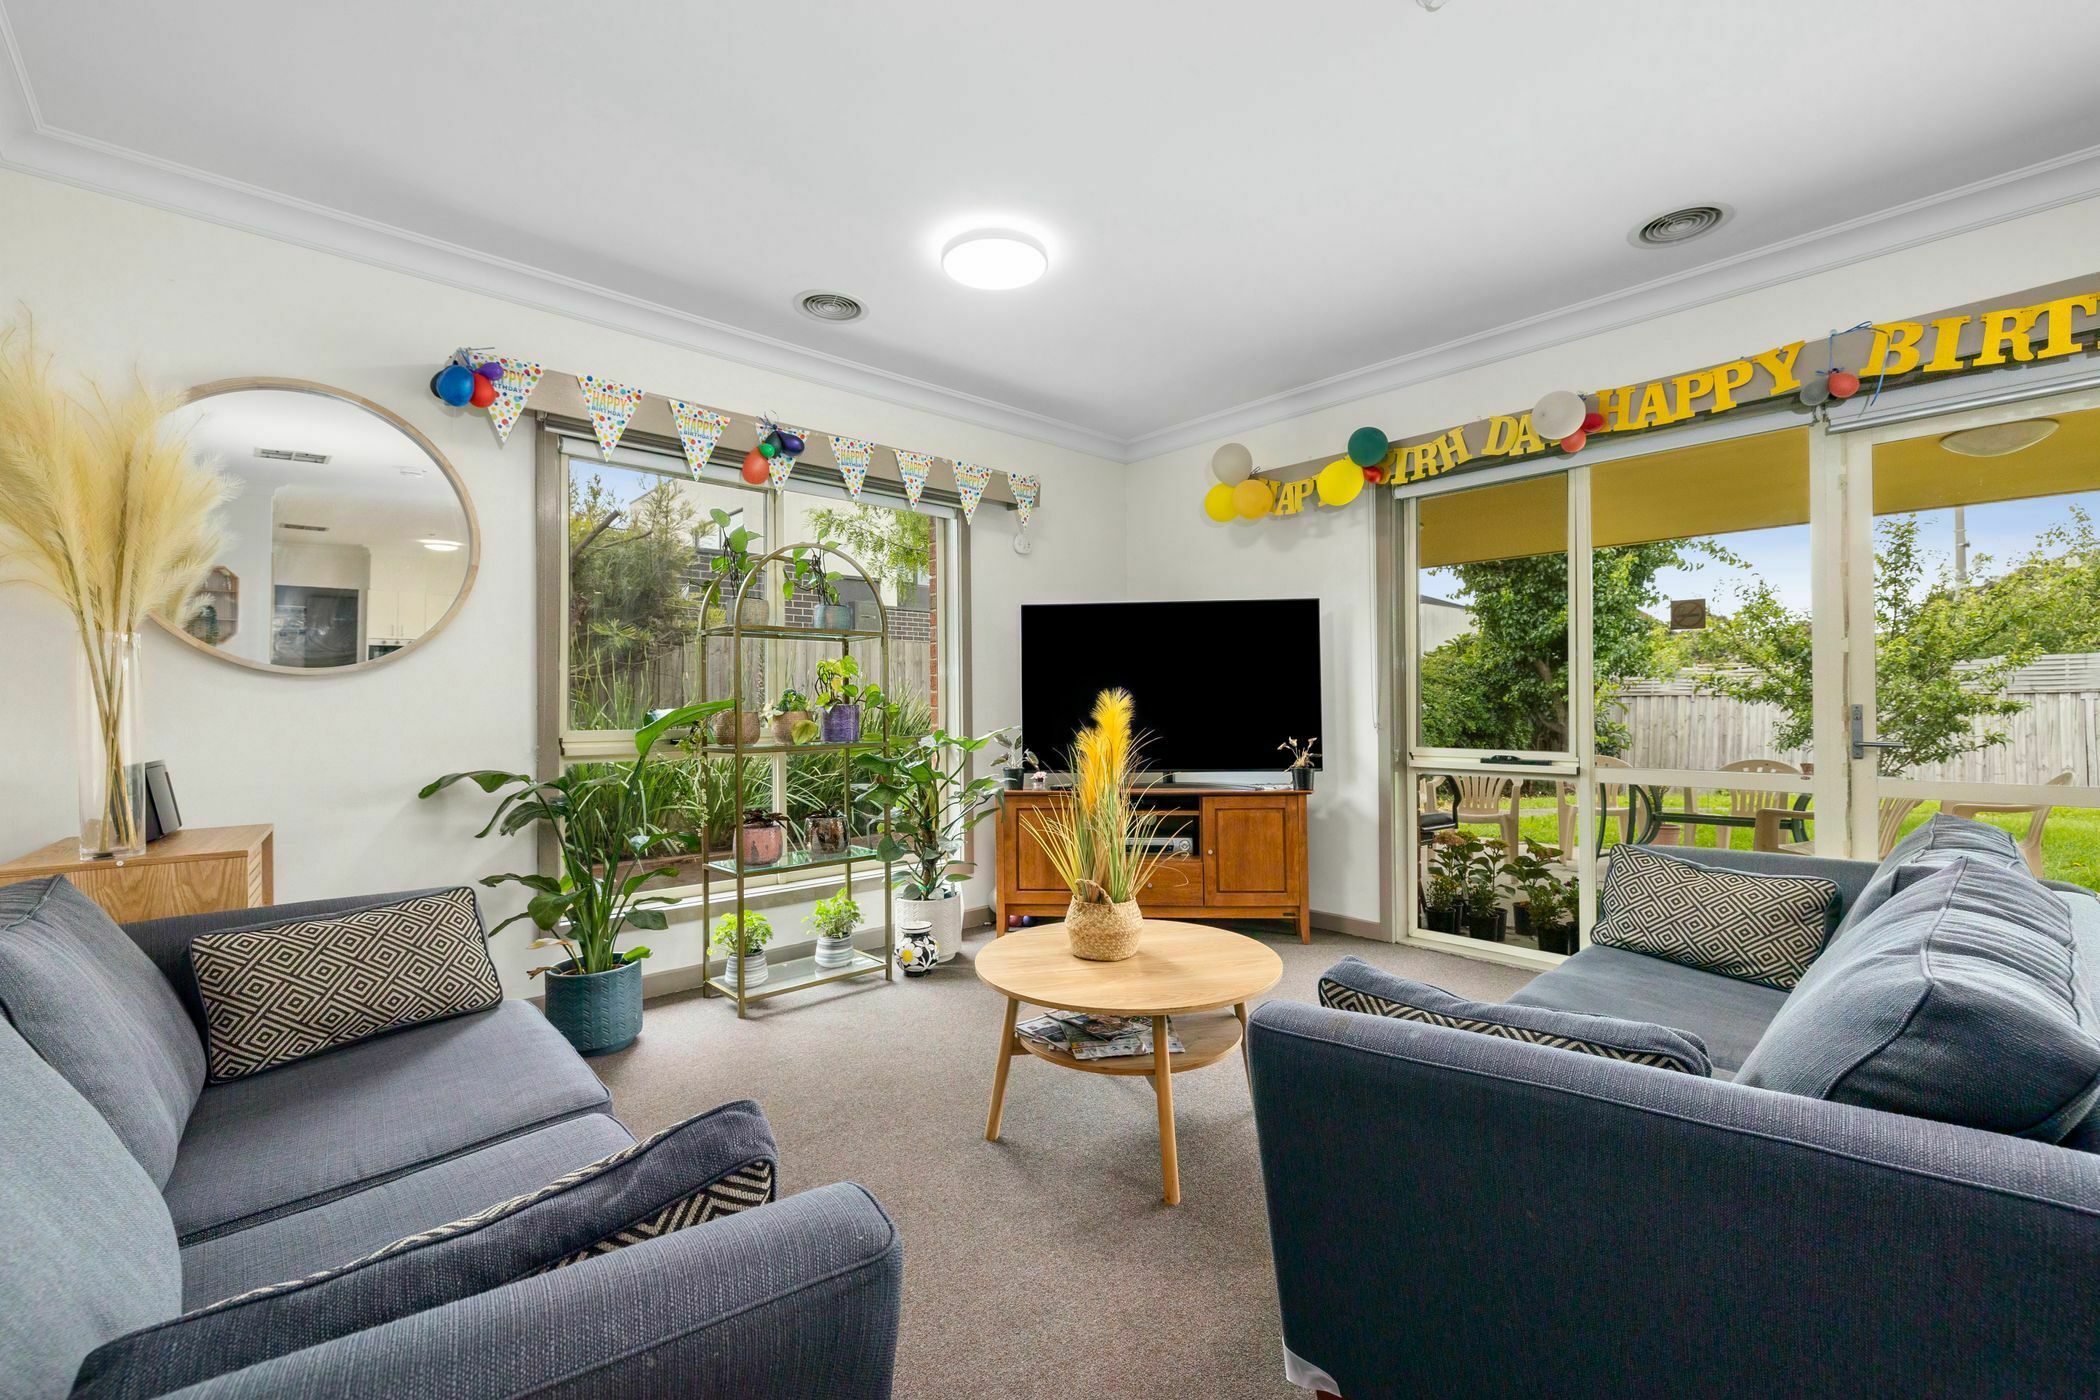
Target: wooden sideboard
{"points": [[198, 870], [1247, 858]]}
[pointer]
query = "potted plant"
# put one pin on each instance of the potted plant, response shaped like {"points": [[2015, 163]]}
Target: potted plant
{"points": [[790, 718], [932, 803], [1546, 904], [734, 725], [730, 565], [743, 946], [1444, 893], [602, 822], [825, 833], [1483, 898], [1097, 835], [763, 838], [835, 920], [1301, 766], [805, 573], [842, 694]]}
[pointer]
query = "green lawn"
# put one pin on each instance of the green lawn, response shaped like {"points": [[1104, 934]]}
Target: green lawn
{"points": [[2070, 843]]}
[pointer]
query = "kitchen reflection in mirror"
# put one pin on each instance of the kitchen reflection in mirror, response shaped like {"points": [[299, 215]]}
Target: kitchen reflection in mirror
{"points": [[348, 537]]}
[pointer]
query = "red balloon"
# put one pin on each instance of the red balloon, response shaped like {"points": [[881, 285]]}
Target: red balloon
{"points": [[756, 470], [1573, 441], [1843, 384], [484, 392], [1374, 475], [1592, 421]]}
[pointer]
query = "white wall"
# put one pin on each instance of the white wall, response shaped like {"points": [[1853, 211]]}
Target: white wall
{"points": [[1179, 553], [335, 761]]}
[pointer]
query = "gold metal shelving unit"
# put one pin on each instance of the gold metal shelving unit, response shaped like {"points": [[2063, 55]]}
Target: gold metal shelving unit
{"points": [[798, 973]]}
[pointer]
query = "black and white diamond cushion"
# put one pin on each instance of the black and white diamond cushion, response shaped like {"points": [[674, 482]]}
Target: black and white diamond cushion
{"points": [[1759, 928], [274, 995]]}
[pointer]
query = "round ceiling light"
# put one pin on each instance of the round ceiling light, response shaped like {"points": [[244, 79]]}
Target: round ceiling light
{"points": [[831, 306], [1999, 439], [1679, 226], [994, 260]]}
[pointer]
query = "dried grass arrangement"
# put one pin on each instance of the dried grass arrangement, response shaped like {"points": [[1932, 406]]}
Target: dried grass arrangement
{"points": [[1096, 837], [111, 515]]}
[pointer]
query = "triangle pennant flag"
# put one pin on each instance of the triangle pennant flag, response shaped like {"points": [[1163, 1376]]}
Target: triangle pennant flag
{"points": [[699, 429], [1027, 491], [520, 378], [611, 406], [970, 481], [780, 465], [914, 468], [852, 453]]}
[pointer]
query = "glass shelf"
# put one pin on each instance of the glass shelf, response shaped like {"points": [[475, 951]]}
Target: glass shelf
{"points": [[774, 629], [794, 975], [799, 860], [769, 748]]}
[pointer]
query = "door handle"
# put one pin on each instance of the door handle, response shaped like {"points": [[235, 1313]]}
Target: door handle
{"points": [[1860, 742]]}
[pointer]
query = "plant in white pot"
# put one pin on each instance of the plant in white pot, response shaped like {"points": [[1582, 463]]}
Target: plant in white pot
{"points": [[604, 821], [932, 803], [744, 942], [835, 921]]}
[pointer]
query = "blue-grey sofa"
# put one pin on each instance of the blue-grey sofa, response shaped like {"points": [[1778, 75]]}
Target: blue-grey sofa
{"points": [[316, 1163], [1461, 1214]]}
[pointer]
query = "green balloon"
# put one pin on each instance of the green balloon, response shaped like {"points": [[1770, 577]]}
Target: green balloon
{"points": [[769, 448], [1367, 447]]}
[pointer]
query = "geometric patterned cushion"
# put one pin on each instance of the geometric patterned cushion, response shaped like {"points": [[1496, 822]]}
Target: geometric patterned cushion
{"points": [[279, 994], [1354, 985], [1759, 928], [711, 1165]]}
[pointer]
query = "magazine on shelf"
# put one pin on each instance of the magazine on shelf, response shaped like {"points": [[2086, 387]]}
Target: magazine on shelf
{"points": [[1089, 1036]]}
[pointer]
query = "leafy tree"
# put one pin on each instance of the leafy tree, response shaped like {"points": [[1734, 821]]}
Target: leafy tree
{"points": [[631, 596], [2044, 603], [1940, 661], [892, 544]]}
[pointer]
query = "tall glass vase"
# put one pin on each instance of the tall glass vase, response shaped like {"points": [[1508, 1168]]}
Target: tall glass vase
{"points": [[112, 780]]}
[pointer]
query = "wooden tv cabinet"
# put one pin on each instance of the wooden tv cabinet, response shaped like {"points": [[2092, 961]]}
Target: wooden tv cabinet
{"points": [[1248, 859]]}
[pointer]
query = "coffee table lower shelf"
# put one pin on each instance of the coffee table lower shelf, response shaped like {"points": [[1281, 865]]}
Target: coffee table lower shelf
{"points": [[1204, 1041]]}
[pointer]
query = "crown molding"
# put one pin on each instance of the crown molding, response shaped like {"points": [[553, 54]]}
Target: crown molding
{"points": [[32, 146]]}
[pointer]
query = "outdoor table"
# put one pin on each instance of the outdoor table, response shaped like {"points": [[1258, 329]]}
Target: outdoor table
{"points": [[1650, 796]]}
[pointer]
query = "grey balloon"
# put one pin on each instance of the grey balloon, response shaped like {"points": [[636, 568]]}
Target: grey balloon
{"points": [[1815, 390], [1232, 464]]}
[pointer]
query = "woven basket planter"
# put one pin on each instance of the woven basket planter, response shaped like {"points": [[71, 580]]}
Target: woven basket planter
{"points": [[1104, 932]]}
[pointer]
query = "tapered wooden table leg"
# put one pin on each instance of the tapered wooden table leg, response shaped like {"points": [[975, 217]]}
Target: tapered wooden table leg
{"points": [[1240, 1010], [1007, 1051], [1163, 1088]]}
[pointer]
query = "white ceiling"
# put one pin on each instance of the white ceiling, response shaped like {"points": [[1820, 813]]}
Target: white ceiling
{"points": [[1251, 208]]}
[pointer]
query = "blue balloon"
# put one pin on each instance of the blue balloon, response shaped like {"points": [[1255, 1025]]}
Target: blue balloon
{"points": [[455, 385], [791, 443]]}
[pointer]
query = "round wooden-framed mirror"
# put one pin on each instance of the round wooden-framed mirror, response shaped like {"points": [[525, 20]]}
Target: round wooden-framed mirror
{"points": [[349, 541]]}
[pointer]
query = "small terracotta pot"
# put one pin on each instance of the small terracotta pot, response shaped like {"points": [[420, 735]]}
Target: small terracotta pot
{"points": [[764, 845], [730, 723], [1104, 932], [784, 725]]}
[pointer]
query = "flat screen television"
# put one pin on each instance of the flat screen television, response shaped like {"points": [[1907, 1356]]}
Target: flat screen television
{"points": [[1218, 685]]}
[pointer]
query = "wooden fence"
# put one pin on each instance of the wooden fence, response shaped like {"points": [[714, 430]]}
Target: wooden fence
{"points": [[674, 676]]}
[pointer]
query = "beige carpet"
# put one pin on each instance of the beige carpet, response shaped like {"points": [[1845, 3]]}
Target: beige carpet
{"points": [[1044, 1264]]}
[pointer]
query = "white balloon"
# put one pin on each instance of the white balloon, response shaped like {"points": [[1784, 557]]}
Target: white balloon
{"points": [[1558, 414], [1232, 464]]}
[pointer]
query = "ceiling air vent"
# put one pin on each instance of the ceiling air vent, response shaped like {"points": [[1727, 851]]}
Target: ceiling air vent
{"points": [[1679, 225], [286, 454], [831, 306]]}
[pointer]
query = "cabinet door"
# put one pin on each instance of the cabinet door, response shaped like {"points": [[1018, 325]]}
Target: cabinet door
{"points": [[1253, 848], [1033, 872]]}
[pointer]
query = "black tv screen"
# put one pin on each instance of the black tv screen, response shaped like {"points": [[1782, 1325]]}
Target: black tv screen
{"points": [[1218, 685]]}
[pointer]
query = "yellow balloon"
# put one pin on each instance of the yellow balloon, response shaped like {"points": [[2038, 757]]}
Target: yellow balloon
{"points": [[1218, 504], [1254, 497], [1339, 482]]}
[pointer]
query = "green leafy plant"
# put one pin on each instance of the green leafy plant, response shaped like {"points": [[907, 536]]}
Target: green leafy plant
{"points": [[1446, 886], [803, 572], [932, 803], [751, 937], [790, 701], [839, 683], [1483, 867], [836, 917], [603, 823], [732, 560], [1549, 899]]}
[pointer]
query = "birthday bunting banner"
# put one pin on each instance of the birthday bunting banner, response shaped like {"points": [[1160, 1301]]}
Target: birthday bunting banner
{"points": [[914, 468], [611, 406], [781, 465], [699, 429], [852, 453], [1027, 491], [520, 378], [970, 480]]}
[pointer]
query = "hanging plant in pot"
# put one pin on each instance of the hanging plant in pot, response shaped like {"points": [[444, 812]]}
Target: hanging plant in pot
{"points": [[835, 920], [1097, 835], [106, 511], [605, 822], [744, 945], [730, 565], [932, 802]]}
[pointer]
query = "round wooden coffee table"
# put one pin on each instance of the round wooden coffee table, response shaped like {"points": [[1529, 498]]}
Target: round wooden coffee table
{"points": [[1178, 969]]}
